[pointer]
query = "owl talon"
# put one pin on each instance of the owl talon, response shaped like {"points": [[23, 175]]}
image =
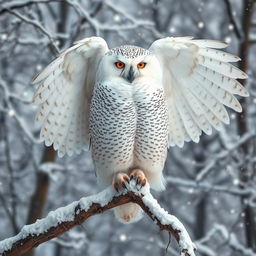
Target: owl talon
{"points": [[120, 180], [126, 178], [140, 178]]}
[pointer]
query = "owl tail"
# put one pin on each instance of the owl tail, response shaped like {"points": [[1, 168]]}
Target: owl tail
{"points": [[128, 213]]}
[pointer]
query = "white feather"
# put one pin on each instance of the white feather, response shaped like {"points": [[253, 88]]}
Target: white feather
{"points": [[198, 80], [223, 68], [48, 70], [218, 55], [210, 43], [220, 94], [64, 105], [227, 83], [210, 101]]}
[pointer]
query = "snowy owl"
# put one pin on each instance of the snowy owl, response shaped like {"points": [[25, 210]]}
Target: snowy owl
{"points": [[129, 104]]}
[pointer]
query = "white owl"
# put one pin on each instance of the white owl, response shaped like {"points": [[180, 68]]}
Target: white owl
{"points": [[130, 104]]}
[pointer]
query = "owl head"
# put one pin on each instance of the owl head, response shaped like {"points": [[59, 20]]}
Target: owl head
{"points": [[129, 64]]}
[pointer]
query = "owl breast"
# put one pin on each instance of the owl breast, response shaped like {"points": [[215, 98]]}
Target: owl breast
{"points": [[128, 129]]}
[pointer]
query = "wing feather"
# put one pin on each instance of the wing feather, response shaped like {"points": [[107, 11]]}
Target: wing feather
{"points": [[218, 55], [219, 93], [190, 125], [209, 101], [225, 82], [200, 81], [64, 96], [221, 67]]}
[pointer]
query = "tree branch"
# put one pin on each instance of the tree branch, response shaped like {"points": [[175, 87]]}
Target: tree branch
{"points": [[65, 218], [232, 19]]}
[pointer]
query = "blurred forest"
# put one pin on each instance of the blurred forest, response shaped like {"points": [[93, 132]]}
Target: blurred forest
{"points": [[211, 186]]}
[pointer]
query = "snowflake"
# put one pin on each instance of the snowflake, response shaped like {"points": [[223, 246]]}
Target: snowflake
{"points": [[232, 211], [233, 116], [200, 24], [11, 112], [38, 67], [116, 18], [172, 29], [123, 237], [190, 190], [215, 201], [151, 239], [4, 37], [236, 181], [228, 39], [230, 26], [57, 42]]}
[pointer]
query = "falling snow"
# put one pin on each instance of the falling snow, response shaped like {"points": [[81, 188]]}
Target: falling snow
{"points": [[4, 37], [172, 30], [117, 18], [11, 112], [228, 39], [200, 24], [29, 43], [123, 237], [230, 26]]}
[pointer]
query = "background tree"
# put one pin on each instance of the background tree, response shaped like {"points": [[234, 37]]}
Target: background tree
{"points": [[211, 185]]}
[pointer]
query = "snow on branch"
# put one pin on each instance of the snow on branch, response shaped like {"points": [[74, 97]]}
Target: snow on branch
{"points": [[63, 219]]}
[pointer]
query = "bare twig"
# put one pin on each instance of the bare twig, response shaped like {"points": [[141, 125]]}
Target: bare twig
{"points": [[11, 181], [10, 5], [232, 19], [37, 25], [205, 171], [8, 213]]}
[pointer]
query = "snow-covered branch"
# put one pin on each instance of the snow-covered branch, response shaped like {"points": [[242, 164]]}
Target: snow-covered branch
{"points": [[214, 159], [61, 220], [37, 25]]}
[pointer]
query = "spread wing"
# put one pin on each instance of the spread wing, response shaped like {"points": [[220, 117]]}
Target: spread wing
{"points": [[65, 93], [199, 82]]}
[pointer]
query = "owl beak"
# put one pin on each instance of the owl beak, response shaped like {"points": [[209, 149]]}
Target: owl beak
{"points": [[131, 75]]}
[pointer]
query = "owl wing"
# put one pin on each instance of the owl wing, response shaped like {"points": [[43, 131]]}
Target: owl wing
{"points": [[65, 94], [199, 82]]}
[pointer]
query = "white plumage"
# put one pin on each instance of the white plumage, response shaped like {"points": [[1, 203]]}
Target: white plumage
{"points": [[132, 103]]}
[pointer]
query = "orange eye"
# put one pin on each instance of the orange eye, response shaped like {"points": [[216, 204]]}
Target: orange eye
{"points": [[119, 64], [141, 65]]}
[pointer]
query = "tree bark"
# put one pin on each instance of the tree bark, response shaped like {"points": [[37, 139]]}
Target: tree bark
{"points": [[246, 171], [39, 198]]}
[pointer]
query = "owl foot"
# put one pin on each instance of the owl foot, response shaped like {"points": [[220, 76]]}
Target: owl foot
{"points": [[120, 180], [139, 176]]}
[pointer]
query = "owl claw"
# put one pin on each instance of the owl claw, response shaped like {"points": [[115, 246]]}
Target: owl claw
{"points": [[126, 178], [120, 180], [139, 176]]}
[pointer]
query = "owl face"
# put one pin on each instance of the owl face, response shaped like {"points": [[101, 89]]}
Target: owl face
{"points": [[129, 69]]}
